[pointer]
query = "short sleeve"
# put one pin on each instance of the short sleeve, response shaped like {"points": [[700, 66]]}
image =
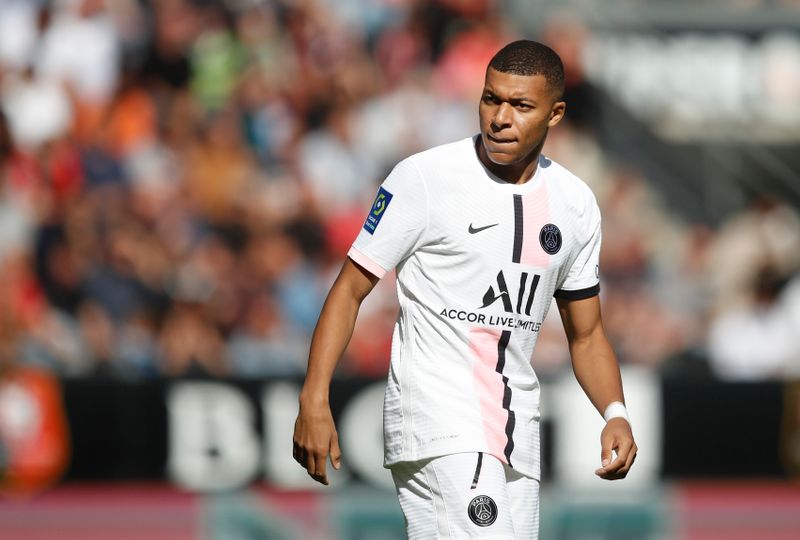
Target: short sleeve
{"points": [[583, 277], [395, 223]]}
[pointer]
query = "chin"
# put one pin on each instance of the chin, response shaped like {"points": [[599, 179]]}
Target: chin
{"points": [[501, 159]]}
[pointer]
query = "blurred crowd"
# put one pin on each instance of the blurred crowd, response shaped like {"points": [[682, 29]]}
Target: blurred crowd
{"points": [[181, 179]]}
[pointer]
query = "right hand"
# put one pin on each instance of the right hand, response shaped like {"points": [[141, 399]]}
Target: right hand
{"points": [[314, 439]]}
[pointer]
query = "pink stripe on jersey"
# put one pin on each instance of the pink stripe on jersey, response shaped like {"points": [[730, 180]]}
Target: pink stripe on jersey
{"points": [[489, 388], [372, 267], [535, 215]]}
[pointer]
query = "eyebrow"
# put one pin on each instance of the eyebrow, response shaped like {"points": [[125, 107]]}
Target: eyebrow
{"points": [[522, 100], [512, 101]]}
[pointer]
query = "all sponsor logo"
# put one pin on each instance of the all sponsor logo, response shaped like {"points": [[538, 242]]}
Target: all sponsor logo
{"points": [[517, 303], [525, 293]]}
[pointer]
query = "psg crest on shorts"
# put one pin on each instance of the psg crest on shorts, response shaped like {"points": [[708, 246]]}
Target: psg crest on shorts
{"points": [[550, 238], [482, 511]]}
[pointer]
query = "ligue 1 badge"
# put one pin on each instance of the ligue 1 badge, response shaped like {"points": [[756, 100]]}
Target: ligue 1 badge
{"points": [[378, 208], [550, 239], [482, 511]]}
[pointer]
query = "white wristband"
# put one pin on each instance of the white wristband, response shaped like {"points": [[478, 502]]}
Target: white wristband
{"points": [[616, 409]]}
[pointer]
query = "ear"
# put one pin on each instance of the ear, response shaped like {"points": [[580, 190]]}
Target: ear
{"points": [[557, 113]]}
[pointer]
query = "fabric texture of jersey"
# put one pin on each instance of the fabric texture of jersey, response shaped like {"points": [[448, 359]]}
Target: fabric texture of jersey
{"points": [[478, 262]]}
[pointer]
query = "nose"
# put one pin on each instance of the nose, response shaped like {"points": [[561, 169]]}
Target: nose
{"points": [[502, 117]]}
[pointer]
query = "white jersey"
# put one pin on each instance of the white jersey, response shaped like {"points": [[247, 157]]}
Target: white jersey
{"points": [[478, 262]]}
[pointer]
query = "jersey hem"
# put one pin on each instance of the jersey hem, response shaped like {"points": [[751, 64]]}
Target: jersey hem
{"points": [[578, 294], [533, 472]]}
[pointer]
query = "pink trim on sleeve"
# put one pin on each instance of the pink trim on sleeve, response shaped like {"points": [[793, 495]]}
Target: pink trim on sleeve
{"points": [[373, 268]]}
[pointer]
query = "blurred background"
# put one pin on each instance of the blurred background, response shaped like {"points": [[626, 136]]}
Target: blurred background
{"points": [[181, 179]]}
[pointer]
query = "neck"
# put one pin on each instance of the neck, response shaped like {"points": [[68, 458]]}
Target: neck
{"points": [[514, 173]]}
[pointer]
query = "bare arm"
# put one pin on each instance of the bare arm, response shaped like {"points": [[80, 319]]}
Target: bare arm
{"points": [[597, 371], [315, 435]]}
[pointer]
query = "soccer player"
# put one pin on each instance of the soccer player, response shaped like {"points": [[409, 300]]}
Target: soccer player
{"points": [[483, 233]]}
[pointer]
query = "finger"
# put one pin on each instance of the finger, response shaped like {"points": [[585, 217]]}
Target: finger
{"points": [[297, 454], [606, 445], [619, 468], [630, 460], [623, 450], [611, 466], [622, 472], [308, 461], [336, 453], [612, 476], [318, 469], [300, 456]]}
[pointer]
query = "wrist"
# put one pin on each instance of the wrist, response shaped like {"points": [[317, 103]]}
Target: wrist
{"points": [[616, 409], [313, 397]]}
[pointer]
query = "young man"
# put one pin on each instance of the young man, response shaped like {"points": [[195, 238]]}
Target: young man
{"points": [[483, 233]]}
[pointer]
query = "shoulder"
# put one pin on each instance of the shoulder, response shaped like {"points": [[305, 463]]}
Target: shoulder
{"points": [[568, 187], [430, 167], [444, 155]]}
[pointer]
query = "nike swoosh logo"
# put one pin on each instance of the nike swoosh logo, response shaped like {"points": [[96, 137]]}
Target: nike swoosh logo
{"points": [[473, 230]]}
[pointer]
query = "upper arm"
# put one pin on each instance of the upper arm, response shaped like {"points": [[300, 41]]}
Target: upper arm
{"points": [[582, 280], [581, 318], [355, 281]]}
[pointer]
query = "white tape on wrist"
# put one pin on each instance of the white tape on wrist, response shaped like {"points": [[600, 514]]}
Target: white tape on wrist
{"points": [[616, 409]]}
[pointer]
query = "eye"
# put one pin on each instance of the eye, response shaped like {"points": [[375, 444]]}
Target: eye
{"points": [[524, 106], [489, 99]]}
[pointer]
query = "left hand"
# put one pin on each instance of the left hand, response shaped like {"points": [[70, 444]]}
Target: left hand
{"points": [[617, 436]]}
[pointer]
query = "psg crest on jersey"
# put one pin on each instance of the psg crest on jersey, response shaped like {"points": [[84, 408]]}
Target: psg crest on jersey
{"points": [[550, 238], [482, 511]]}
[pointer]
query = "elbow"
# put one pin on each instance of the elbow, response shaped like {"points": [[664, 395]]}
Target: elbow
{"points": [[590, 341]]}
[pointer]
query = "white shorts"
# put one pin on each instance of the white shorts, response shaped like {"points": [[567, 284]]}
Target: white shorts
{"points": [[470, 495]]}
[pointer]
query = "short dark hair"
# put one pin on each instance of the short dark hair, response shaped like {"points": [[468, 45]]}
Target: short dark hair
{"points": [[526, 57]]}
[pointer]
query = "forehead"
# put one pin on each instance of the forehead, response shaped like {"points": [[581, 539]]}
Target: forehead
{"points": [[512, 86]]}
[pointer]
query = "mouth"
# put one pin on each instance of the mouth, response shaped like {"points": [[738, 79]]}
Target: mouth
{"points": [[498, 140]]}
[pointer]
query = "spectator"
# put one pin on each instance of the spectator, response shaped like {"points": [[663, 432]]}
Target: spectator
{"points": [[757, 340], [178, 179]]}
